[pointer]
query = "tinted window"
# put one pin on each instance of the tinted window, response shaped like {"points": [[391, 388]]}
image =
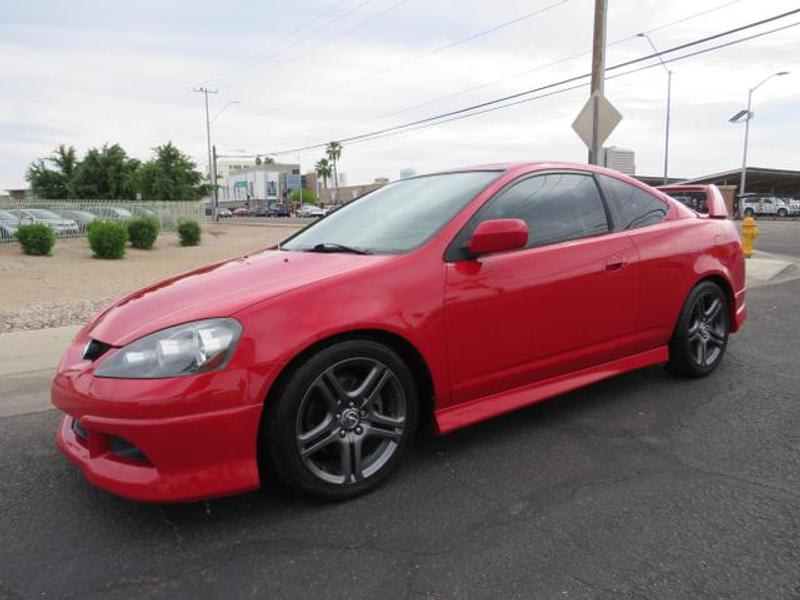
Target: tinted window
{"points": [[396, 217], [632, 206], [556, 207]]}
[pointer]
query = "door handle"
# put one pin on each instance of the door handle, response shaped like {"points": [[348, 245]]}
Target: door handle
{"points": [[615, 265]]}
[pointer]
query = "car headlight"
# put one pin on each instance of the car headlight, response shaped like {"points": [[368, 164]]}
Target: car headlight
{"points": [[186, 349]]}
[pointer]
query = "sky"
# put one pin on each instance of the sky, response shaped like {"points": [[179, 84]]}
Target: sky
{"points": [[291, 73]]}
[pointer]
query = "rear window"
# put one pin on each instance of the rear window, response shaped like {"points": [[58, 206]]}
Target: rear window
{"points": [[632, 206]]}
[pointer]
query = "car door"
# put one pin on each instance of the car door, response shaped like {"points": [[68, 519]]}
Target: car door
{"points": [[565, 302]]}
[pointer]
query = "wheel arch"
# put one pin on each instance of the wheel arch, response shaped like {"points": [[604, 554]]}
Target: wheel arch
{"points": [[407, 351], [727, 288]]}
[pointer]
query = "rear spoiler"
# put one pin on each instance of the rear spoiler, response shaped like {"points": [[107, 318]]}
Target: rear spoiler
{"points": [[715, 203]]}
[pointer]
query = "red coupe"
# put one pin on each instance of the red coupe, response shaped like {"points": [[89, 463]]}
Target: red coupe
{"points": [[440, 300]]}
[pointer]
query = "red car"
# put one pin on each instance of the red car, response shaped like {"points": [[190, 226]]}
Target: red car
{"points": [[441, 300], [240, 212]]}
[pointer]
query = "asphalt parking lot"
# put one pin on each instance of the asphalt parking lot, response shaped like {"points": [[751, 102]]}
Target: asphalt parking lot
{"points": [[779, 237], [643, 486]]}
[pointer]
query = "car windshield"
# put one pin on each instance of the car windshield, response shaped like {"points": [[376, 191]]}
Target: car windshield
{"points": [[122, 212], [7, 217], [40, 213], [395, 218]]}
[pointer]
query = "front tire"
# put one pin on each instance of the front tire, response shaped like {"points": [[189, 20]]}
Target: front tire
{"points": [[339, 423], [701, 334], [783, 213], [749, 212]]}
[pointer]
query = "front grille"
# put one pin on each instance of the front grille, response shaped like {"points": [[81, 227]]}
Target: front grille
{"points": [[124, 449], [95, 349], [79, 430]]}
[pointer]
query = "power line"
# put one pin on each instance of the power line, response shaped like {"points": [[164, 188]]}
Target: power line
{"points": [[553, 63], [421, 56], [576, 87], [296, 42], [569, 80], [285, 37]]}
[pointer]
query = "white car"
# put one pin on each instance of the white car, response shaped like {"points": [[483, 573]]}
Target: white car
{"points": [[309, 210], [768, 206]]}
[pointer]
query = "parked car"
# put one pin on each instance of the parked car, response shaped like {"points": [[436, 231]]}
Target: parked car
{"points": [[225, 213], [443, 299], [8, 225], [112, 213], [60, 225], [241, 212], [768, 206], [278, 210], [81, 217], [309, 210]]}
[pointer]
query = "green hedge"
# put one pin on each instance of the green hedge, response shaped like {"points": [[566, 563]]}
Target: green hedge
{"points": [[36, 239], [143, 231], [189, 230], [107, 239]]}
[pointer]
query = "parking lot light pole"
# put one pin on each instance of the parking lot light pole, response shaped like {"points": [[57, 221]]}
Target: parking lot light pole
{"points": [[747, 115], [669, 102]]}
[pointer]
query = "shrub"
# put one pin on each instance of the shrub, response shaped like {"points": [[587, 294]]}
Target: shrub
{"points": [[143, 231], [107, 239], [189, 230], [36, 239]]}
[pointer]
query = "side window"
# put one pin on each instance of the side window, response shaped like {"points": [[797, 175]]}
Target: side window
{"points": [[633, 207], [556, 207]]}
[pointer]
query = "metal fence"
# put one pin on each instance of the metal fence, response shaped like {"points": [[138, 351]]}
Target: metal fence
{"points": [[71, 218]]}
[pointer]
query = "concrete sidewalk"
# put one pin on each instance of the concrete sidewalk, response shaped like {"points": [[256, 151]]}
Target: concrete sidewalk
{"points": [[27, 363], [28, 358]]}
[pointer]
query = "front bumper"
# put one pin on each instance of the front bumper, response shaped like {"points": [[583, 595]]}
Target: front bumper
{"points": [[161, 440]]}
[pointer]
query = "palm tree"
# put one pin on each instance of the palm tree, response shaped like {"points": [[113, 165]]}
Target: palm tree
{"points": [[334, 152], [323, 169]]}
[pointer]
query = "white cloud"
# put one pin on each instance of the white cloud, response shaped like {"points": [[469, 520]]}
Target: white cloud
{"points": [[121, 77]]}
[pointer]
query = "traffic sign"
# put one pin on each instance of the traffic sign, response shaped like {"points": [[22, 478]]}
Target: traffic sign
{"points": [[608, 118]]}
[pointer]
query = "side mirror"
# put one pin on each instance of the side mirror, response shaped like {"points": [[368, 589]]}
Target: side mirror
{"points": [[498, 235]]}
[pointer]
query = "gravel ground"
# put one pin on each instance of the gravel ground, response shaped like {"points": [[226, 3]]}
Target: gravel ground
{"points": [[70, 286]]}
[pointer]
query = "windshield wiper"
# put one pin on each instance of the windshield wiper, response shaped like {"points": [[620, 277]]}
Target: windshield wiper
{"points": [[334, 247]]}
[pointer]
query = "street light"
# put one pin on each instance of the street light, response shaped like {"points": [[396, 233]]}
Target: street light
{"points": [[669, 101], [746, 115]]}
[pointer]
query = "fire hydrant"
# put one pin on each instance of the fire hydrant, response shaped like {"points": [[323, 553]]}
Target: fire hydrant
{"points": [[749, 233]]}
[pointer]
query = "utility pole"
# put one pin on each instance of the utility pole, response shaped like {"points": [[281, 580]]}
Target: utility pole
{"points": [[205, 91], [598, 74], [216, 188]]}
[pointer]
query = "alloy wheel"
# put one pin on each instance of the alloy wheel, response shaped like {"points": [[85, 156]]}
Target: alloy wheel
{"points": [[707, 333], [350, 421]]}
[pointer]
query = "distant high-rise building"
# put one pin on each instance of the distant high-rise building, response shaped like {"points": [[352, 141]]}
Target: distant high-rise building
{"points": [[619, 159], [407, 172]]}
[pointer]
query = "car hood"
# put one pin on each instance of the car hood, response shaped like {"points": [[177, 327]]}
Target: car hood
{"points": [[219, 290]]}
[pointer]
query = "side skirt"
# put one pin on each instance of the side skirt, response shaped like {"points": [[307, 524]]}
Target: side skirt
{"points": [[462, 415]]}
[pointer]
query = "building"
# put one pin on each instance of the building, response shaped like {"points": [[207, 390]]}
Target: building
{"points": [[619, 159], [407, 172], [259, 184], [783, 183], [227, 166], [346, 193]]}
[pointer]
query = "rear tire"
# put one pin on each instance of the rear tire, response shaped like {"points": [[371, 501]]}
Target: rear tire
{"points": [[701, 334], [749, 212], [338, 424]]}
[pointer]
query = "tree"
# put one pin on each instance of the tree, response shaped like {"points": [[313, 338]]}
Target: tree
{"points": [[105, 173], [323, 169], [303, 196], [50, 183], [171, 175], [334, 152]]}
